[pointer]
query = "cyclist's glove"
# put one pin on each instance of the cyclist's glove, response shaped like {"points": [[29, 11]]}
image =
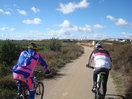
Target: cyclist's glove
{"points": [[87, 65], [47, 71]]}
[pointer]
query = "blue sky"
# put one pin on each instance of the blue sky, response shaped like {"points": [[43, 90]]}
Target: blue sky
{"points": [[65, 19]]}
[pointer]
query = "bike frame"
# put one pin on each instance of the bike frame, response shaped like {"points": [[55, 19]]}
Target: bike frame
{"points": [[100, 81], [38, 84], [24, 93], [99, 90]]}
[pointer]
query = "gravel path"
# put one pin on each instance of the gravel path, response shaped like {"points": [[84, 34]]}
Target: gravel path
{"points": [[74, 81]]}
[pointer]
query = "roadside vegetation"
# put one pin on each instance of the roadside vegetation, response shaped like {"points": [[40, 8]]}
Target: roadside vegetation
{"points": [[55, 52], [121, 54]]}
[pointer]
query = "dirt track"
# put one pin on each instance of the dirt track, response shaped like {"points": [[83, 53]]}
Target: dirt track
{"points": [[74, 81]]}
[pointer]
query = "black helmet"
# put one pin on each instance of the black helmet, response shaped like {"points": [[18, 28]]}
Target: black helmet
{"points": [[99, 45], [32, 46]]}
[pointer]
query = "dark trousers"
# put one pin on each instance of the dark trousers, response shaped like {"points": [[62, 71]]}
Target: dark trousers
{"points": [[105, 77]]}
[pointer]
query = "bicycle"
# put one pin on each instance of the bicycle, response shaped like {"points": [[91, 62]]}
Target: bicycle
{"points": [[39, 87], [99, 92]]}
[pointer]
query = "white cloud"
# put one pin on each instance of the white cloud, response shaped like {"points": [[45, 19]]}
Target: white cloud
{"points": [[7, 12], [35, 10], [66, 23], [97, 36], [7, 28], [67, 30], [22, 12], [3, 28], [126, 35], [67, 26], [31, 35], [70, 7], [34, 21], [58, 33], [1, 11], [111, 18], [99, 26], [12, 29], [119, 22], [4, 12]]}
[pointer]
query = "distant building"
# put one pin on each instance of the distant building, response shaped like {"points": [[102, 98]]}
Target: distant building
{"points": [[118, 39]]}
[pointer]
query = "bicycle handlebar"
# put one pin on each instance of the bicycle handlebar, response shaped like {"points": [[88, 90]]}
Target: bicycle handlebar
{"points": [[90, 66], [37, 73]]}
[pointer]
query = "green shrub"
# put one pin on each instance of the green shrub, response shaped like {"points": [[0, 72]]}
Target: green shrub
{"points": [[56, 56], [8, 53], [57, 59], [4, 70], [7, 82], [8, 87], [7, 93], [71, 51], [54, 44]]}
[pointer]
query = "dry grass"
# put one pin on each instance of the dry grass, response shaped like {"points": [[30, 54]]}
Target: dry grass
{"points": [[121, 54], [54, 58]]}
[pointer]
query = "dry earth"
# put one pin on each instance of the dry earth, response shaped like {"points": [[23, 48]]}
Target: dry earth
{"points": [[74, 81]]}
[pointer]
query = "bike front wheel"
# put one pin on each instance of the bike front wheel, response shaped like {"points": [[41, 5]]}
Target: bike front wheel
{"points": [[39, 90]]}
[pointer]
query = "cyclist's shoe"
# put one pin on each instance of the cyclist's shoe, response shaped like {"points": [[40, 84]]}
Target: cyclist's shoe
{"points": [[93, 89], [19, 94]]}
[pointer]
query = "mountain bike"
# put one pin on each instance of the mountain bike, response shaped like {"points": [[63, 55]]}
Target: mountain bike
{"points": [[99, 92], [39, 87]]}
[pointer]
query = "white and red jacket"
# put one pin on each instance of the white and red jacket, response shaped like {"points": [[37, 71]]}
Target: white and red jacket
{"points": [[101, 58]]}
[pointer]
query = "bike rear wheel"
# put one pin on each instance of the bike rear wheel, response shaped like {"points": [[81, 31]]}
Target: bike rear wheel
{"points": [[39, 90], [97, 94], [24, 94], [22, 97], [101, 90], [19, 97]]}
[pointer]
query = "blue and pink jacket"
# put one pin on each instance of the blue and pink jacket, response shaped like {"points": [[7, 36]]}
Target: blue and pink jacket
{"points": [[27, 62]]}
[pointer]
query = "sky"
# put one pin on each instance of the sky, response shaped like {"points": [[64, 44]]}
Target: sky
{"points": [[65, 19]]}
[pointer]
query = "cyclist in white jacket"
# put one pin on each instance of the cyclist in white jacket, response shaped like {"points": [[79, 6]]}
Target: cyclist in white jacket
{"points": [[102, 62]]}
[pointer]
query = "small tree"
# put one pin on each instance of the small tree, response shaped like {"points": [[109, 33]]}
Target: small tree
{"points": [[55, 45], [8, 53]]}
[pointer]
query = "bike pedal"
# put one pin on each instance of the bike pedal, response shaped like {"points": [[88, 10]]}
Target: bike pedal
{"points": [[37, 93]]}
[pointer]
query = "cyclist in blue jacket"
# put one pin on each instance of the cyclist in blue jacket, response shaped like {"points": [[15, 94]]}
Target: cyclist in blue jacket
{"points": [[23, 70]]}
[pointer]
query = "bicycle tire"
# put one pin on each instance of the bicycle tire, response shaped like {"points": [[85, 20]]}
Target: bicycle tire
{"points": [[97, 94], [39, 90], [102, 90], [23, 95]]}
